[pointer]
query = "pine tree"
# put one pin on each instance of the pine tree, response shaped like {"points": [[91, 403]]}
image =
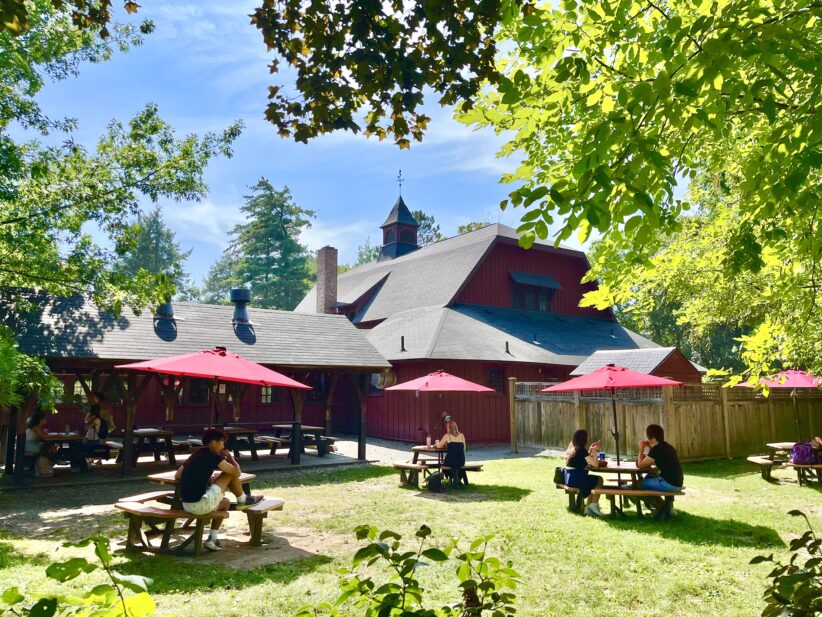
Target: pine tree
{"points": [[428, 231]]}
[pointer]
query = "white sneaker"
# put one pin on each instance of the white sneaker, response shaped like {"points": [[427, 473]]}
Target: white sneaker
{"points": [[592, 510], [211, 545]]}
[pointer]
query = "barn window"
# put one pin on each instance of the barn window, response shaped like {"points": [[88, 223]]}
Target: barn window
{"points": [[496, 379], [390, 236], [407, 237], [198, 391], [265, 395], [532, 292]]}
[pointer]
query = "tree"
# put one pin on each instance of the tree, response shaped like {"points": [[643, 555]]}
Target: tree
{"points": [[265, 253], [52, 195], [473, 226], [153, 248], [366, 253], [769, 306], [428, 231]]}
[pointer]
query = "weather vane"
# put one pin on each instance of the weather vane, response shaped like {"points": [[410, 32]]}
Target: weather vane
{"points": [[400, 181]]}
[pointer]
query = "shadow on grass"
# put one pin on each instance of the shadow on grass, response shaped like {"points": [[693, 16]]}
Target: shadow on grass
{"points": [[695, 529], [476, 492], [722, 469], [172, 574], [320, 475]]}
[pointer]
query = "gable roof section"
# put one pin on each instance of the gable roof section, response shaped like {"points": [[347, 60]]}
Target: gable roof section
{"points": [[430, 276], [640, 360], [467, 332], [74, 328]]}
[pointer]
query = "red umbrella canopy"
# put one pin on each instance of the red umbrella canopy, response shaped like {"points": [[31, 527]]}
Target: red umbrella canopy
{"points": [[792, 379], [218, 364], [612, 376], [440, 381]]}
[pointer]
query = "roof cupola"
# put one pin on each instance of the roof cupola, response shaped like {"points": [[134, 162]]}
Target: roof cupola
{"points": [[399, 232]]}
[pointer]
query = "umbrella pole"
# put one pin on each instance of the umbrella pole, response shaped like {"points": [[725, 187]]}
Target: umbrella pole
{"points": [[615, 431], [796, 415]]}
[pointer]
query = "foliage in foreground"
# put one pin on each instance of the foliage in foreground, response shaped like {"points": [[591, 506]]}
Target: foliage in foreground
{"points": [[796, 587], [485, 583], [104, 600]]}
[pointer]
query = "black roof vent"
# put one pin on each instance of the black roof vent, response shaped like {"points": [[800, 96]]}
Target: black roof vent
{"points": [[165, 310], [241, 296]]}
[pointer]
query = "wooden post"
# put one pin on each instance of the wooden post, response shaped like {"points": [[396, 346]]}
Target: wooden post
{"points": [[772, 418], [297, 399], [169, 394], [512, 413], [723, 397], [11, 439], [132, 393], [360, 387], [579, 412], [329, 397]]}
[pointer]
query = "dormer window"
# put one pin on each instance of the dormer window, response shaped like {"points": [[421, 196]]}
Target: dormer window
{"points": [[532, 292]]}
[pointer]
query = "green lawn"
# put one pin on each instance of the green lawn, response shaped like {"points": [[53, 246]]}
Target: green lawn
{"points": [[695, 564]]}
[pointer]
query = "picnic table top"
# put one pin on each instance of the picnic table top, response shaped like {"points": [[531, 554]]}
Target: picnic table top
{"points": [[303, 427], [71, 436], [622, 467], [781, 445], [234, 430], [428, 449], [167, 477], [152, 432]]}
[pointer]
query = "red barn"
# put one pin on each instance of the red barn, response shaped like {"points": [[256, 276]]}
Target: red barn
{"points": [[476, 305]]}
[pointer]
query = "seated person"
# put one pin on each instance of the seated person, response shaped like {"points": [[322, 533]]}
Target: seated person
{"points": [[36, 448], [663, 455], [577, 459], [199, 494], [96, 431], [455, 456], [105, 410]]}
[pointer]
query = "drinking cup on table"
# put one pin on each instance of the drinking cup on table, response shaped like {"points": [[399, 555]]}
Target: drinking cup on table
{"points": [[68, 429], [428, 441]]}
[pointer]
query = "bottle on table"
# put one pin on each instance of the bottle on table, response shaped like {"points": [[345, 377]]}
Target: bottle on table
{"points": [[428, 441]]}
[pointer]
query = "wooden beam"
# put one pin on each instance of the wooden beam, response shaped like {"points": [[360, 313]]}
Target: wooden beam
{"points": [[329, 397], [134, 389], [297, 399], [360, 384], [512, 413]]}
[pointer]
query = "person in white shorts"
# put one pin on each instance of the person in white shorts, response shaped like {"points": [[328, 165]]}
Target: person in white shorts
{"points": [[199, 494]]}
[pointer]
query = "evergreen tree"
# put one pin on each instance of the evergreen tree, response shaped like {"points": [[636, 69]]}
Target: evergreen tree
{"points": [[265, 253], [366, 253], [472, 226], [153, 249], [428, 231]]}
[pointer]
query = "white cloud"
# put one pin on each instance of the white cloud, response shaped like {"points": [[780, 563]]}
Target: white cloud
{"points": [[346, 238], [203, 221]]}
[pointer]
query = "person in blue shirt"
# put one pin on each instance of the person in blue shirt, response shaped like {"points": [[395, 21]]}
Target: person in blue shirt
{"points": [[577, 459]]}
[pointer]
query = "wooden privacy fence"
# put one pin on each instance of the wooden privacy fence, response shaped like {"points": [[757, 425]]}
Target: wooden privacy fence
{"points": [[701, 421]]}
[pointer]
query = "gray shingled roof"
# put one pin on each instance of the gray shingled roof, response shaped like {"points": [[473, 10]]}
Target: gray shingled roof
{"points": [[400, 214], [430, 276], [640, 360], [74, 328], [468, 332]]}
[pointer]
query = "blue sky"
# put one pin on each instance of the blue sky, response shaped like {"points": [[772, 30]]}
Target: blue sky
{"points": [[206, 66]]}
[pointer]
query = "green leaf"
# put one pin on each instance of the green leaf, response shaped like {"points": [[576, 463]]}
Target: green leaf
{"points": [[434, 554], [68, 570], [132, 582], [12, 596], [44, 607]]}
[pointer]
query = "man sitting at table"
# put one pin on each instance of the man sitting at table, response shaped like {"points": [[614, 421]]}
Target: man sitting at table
{"points": [[663, 455], [199, 494]]}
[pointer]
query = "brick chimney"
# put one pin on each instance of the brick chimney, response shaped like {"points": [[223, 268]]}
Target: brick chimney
{"points": [[326, 279]]}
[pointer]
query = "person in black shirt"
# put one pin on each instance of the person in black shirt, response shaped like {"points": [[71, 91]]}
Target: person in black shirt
{"points": [[663, 455], [577, 459], [199, 494]]}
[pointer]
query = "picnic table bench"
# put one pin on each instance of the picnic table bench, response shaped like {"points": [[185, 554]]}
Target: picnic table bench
{"points": [[807, 473], [410, 471], [612, 492], [273, 442], [766, 464]]}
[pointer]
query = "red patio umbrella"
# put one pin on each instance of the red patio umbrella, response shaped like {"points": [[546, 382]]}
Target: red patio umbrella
{"points": [[218, 364], [793, 380], [612, 377], [440, 381]]}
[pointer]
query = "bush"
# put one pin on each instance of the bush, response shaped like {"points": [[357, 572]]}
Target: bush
{"points": [[108, 599], [796, 587], [485, 583]]}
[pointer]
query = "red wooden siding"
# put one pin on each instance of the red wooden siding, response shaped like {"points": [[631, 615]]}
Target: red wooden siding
{"points": [[491, 285], [483, 418], [676, 366]]}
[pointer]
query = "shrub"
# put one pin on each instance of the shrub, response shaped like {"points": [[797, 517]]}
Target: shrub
{"points": [[107, 599], [796, 587], [485, 583]]}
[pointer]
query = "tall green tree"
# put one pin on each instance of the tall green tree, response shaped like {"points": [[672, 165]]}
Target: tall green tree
{"points": [[428, 231], [265, 253], [366, 253], [472, 226], [155, 249], [52, 195]]}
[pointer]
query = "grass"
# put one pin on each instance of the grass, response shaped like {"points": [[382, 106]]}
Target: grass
{"points": [[695, 564]]}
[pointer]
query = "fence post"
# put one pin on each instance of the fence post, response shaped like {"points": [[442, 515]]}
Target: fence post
{"points": [[578, 414], [772, 419], [512, 413], [723, 397]]}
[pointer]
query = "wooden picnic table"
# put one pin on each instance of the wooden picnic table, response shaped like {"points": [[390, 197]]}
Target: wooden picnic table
{"points": [[153, 435], [624, 467], [417, 450], [169, 478], [73, 442], [305, 429], [63, 438], [236, 432]]}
